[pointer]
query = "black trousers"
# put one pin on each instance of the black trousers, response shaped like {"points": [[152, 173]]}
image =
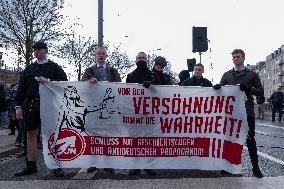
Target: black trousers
{"points": [[251, 144]]}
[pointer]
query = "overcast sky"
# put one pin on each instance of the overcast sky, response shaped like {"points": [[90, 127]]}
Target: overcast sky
{"points": [[256, 26]]}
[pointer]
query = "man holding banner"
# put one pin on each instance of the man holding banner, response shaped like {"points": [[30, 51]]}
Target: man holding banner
{"points": [[28, 101], [101, 72], [251, 85]]}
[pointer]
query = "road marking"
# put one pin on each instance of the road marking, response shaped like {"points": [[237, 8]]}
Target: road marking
{"points": [[260, 132], [271, 158], [267, 125]]}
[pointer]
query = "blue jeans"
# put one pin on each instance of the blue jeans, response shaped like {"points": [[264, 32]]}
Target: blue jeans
{"points": [[3, 118], [277, 109]]}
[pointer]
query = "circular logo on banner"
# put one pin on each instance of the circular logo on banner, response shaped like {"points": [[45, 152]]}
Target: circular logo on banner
{"points": [[69, 145]]}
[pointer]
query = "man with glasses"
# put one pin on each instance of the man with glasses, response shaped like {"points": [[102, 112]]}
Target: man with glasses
{"points": [[197, 79], [249, 83], [143, 75], [100, 72]]}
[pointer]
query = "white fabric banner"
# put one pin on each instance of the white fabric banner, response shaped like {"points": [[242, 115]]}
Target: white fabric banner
{"points": [[127, 126]]}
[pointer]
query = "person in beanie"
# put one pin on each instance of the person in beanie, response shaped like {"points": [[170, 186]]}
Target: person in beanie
{"points": [[27, 101]]}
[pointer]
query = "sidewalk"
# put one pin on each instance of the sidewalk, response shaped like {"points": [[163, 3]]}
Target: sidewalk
{"points": [[7, 142]]}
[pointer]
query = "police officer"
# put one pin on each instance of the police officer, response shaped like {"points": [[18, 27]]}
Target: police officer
{"points": [[251, 85], [28, 102], [197, 79]]}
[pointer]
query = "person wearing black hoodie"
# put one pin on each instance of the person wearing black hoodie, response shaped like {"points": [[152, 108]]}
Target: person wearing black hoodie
{"points": [[160, 78]]}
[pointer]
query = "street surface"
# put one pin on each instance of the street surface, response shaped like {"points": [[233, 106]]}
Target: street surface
{"points": [[270, 143]]}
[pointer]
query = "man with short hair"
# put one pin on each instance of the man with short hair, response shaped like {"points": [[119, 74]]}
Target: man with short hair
{"points": [[101, 71], [28, 103], [249, 83], [197, 79]]}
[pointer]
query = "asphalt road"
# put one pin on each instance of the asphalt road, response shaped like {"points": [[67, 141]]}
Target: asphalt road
{"points": [[270, 142]]}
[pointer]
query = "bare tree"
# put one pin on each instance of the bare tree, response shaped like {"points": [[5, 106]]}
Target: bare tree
{"points": [[77, 50], [120, 61], [22, 22]]}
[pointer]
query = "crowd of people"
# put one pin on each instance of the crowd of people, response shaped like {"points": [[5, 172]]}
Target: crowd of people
{"points": [[24, 104]]}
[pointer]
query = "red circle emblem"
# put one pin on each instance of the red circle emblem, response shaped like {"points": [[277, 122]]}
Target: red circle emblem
{"points": [[69, 145]]}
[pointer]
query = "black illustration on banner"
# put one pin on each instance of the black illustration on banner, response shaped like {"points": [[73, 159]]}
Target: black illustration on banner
{"points": [[73, 112]]}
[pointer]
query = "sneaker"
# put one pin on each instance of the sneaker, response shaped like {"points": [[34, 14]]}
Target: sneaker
{"points": [[18, 144], [58, 172], [91, 169], [257, 173], [108, 170]]}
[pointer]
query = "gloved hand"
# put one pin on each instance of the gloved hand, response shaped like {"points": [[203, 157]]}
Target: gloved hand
{"points": [[246, 89], [147, 84], [217, 87]]}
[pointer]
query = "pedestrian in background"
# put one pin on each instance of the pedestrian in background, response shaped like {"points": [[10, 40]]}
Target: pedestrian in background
{"points": [[13, 121], [249, 83], [28, 101], [3, 106], [276, 99]]}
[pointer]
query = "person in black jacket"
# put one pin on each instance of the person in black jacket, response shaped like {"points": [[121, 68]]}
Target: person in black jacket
{"points": [[249, 83], [142, 72], [197, 79], [183, 75], [3, 105], [160, 78], [143, 75], [28, 102], [277, 99]]}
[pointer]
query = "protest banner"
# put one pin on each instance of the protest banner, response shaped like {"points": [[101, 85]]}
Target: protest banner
{"points": [[127, 126]]}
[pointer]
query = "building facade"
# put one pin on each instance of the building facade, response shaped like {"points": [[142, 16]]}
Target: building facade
{"points": [[271, 72]]}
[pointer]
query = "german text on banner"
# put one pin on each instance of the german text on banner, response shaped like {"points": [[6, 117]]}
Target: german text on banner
{"points": [[127, 126]]}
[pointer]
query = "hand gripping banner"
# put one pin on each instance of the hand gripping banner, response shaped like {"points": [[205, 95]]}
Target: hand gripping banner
{"points": [[127, 126]]}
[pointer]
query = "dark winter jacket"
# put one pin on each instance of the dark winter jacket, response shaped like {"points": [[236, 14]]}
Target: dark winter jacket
{"points": [[248, 78], [93, 71], [160, 78], [193, 81], [3, 102], [277, 98], [139, 76], [28, 87]]}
